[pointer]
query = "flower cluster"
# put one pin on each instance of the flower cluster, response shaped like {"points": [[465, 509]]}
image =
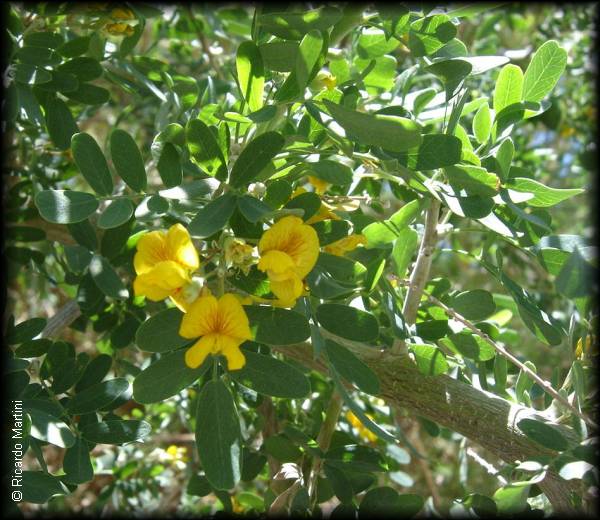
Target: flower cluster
{"points": [[165, 262]]}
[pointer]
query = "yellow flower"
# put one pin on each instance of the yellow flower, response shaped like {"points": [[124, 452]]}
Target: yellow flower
{"points": [[223, 327], [588, 346], [319, 184], [176, 453], [363, 432], [119, 29], [289, 251], [163, 263], [324, 212], [343, 245]]}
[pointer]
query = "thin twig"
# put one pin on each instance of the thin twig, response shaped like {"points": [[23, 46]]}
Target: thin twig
{"points": [[501, 350], [204, 43], [420, 273], [324, 439]]}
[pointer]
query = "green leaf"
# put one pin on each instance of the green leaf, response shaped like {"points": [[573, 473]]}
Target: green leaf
{"points": [[351, 368], [342, 487], [218, 435], [504, 154], [127, 160], [270, 376], [166, 377], [544, 70], [26, 330], [430, 360], [88, 94], [291, 25], [435, 151], [473, 179], [279, 56], [392, 133], [94, 372], [91, 163], [116, 213], [48, 428], [86, 69], [265, 324], [107, 280], [372, 43], [251, 74], [77, 463], [65, 207], [542, 196], [160, 333], [384, 501], [257, 154], [60, 123], [307, 57], [115, 431], [509, 87], [169, 166], [204, 149], [330, 231], [357, 458], [452, 72], [39, 487], [74, 47], [33, 348], [34, 55], [333, 172], [545, 434], [474, 305], [199, 486], [97, 396], [252, 209], [348, 322], [380, 234], [482, 124], [213, 216], [429, 34], [575, 279], [403, 250], [309, 202], [469, 345]]}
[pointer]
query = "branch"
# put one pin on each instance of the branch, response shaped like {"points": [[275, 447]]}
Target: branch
{"points": [[502, 351], [420, 273], [483, 417], [66, 315], [324, 439]]}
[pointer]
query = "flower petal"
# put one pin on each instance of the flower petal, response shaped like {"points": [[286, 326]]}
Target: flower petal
{"points": [[160, 282], [233, 319], [200, 319], [180, 247], [278, 264], [288, 290], [150, 251], [230, 348], [197, 353]]}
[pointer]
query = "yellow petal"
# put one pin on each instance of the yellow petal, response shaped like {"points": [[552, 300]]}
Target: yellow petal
{"points": [[319, 184], [233, 321], [197, 353], [343, 245], [161, 281], [324, 213], [150, 251], [200, 318], [288, 290], [181, 303], [180, 248], [279, 265], [291, 236], [230, 348]]}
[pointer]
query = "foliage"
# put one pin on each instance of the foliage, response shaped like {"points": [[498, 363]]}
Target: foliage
{"points": [[320, 160]]}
